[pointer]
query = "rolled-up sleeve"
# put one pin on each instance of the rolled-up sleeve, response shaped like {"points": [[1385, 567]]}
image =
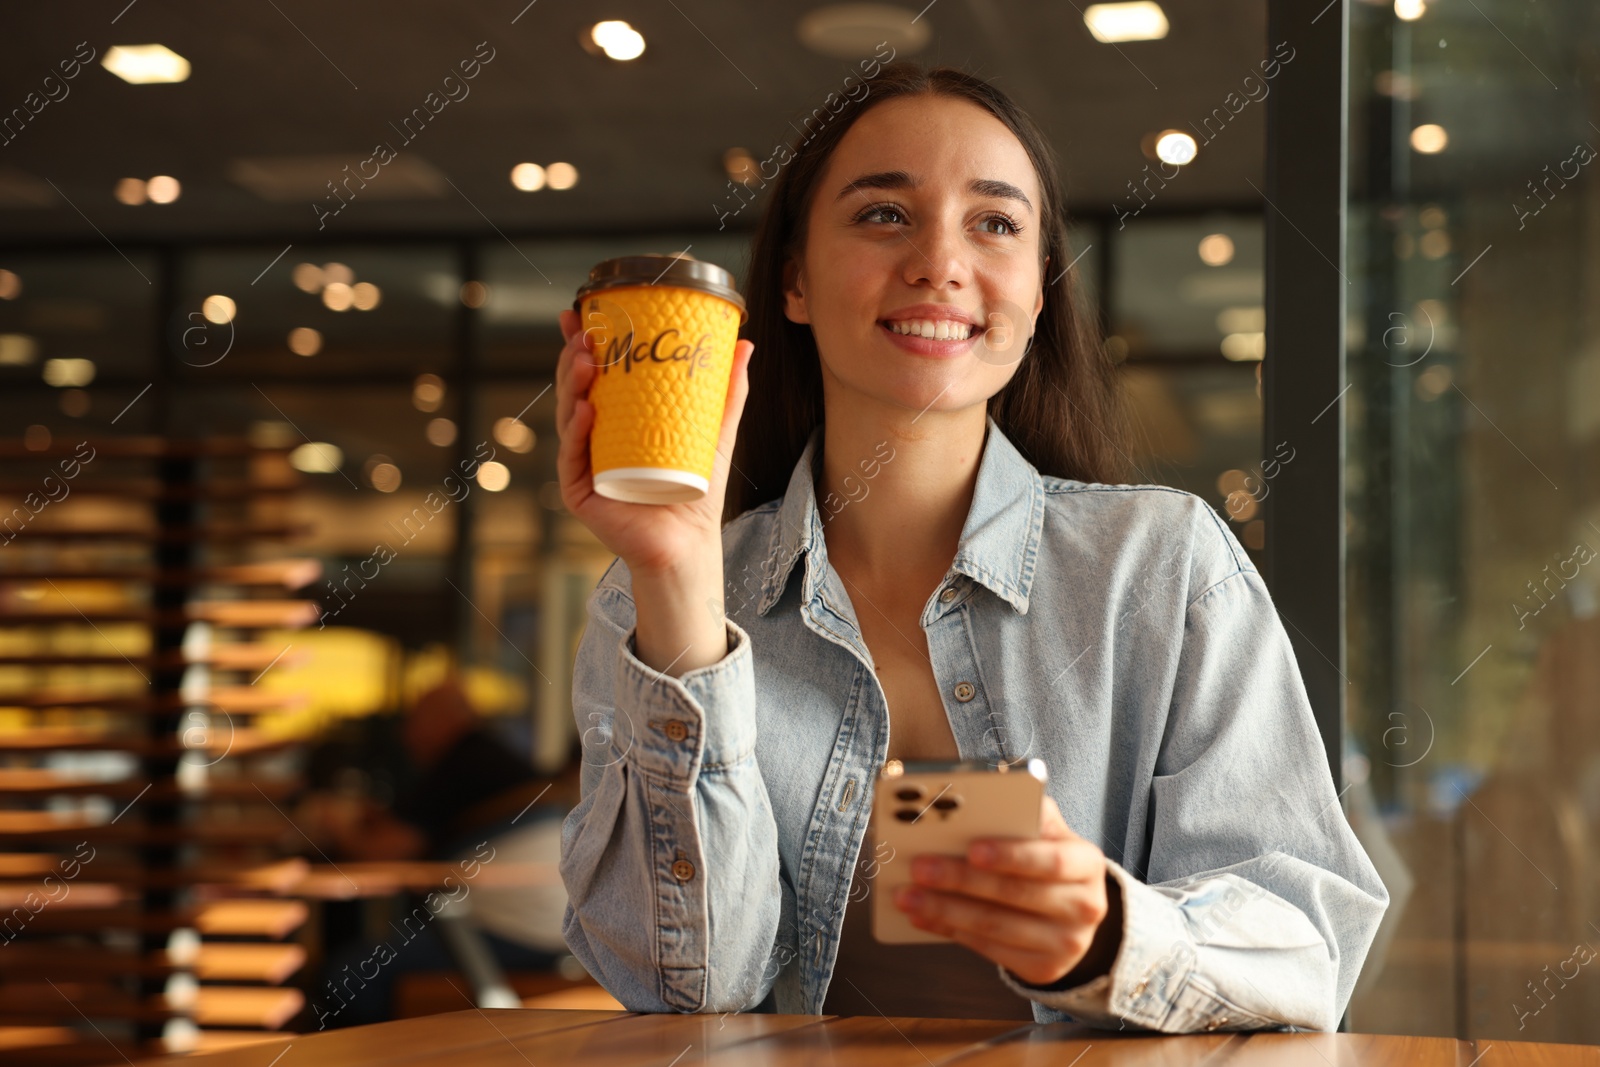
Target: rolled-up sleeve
{"points": [[1259, 904], [670, 859]]}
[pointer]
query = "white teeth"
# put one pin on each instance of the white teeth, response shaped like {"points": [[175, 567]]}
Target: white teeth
{"points": [[935, 329]]}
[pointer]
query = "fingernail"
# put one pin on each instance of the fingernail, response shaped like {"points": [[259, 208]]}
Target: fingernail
{"points": [[982, 853], [908, 898], [926, 869]]}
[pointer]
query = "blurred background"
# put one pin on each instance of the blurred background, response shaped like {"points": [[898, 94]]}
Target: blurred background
{"points": [[281, 541]]}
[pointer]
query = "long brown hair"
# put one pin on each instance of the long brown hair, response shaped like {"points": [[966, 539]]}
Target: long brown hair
{"points": [[1062, 408]]}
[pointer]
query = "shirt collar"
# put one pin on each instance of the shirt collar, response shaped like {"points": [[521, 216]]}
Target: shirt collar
{"points": [[999, 544]]}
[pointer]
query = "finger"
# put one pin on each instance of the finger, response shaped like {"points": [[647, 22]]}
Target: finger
{"points": [[572, 460], [1058, 861], [947, 912], [1052, 825], [569, 323], [1083, 901], [574, 374], [1030, 965], [733, 406]]}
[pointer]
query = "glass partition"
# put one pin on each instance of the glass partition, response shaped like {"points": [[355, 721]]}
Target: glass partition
{"points": [[1473, 423]]}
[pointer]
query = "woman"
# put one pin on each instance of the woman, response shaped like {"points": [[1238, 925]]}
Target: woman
{"points": [[930, 557]]}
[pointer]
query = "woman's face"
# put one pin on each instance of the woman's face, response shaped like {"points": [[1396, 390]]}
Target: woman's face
{"points": [[921, 276]]}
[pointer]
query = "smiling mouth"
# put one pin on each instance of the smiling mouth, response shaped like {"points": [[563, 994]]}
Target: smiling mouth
{"points": [[933, 329]]}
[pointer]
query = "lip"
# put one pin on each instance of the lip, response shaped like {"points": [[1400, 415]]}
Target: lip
{"points": [[928, 346]]}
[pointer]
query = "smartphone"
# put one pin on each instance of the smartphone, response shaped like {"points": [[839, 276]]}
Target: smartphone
{"points": [[921, 808]]}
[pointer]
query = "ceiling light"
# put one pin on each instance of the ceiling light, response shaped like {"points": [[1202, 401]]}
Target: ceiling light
{"points": [[561, 175], [427, 393], [617, 39], [1216, 250], [316, 457], [65, 373], [440, 432], [384, 476], [1244, 346], [337, 272], [130, 191], [1409, 10], [163, 189], [859, 31], [218, 309], [307, 277], [1176, 147], [145, 64], [365, 296], [514, 434], [1112, 23], [10, 285], [17, 349], [304, 341], [337, 297], [529, 177], [740, 165], [474, 294], [1429, 139], [494, 475]]}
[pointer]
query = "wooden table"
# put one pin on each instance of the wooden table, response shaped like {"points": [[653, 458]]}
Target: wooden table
{"points": [[499, 1038]]}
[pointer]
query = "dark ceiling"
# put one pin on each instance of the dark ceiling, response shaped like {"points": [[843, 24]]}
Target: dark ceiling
{"points": [[290, 85]]}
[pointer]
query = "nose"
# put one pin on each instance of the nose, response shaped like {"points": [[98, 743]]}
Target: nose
{"points": [[938, 255]]}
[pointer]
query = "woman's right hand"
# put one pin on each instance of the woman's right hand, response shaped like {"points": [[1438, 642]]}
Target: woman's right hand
{"points": [[650, 538]]}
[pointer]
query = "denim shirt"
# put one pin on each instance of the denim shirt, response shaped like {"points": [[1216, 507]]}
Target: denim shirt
{"points": [[1117, 632]]}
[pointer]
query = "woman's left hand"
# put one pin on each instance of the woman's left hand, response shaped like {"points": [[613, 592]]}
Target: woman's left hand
{"points": [[1042, 909]]}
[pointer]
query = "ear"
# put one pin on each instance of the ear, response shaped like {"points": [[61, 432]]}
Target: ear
{"points": [[794, 297], [1038, 305]]}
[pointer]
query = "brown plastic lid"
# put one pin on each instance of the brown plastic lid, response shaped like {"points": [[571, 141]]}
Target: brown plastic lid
{"points": [[681, 270]]}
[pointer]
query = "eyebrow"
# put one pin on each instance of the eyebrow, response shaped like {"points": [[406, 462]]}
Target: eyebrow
{"points": [[899, 179]]}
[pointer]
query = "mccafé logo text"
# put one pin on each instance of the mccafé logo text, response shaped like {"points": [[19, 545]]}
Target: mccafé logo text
{"points": [[665, 347]]}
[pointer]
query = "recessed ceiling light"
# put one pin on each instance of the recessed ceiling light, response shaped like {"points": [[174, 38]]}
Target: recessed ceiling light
{"points": [[561, 175], [163, 189], [337, 296], [858, 31], [145, 64], [1429, 139], [317, 457], [10, 285], [130, 191], [529, 177], [304, 341], [1176, 147], [740, 165], [63, 373], [1138, 21], [1216, 250], [1409, 10], [617, 39], [494, 475], [219, 309]]}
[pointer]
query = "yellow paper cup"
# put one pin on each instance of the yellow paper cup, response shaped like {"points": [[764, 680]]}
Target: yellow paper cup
{"points": [[663, 330]]}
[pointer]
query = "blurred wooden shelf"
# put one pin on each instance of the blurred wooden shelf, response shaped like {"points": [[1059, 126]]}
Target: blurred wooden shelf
{"points": [[236, 614], [20, 782], [266, 1008], [286, 574], [152, 490], [145, 447], [271, 964], [239, 741], [218, 534], [270, 919], [276, 876]]}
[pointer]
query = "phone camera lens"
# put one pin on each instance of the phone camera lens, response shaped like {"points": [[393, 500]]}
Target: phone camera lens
{"points": [[947, 803], [910, 792], [908, 814]]}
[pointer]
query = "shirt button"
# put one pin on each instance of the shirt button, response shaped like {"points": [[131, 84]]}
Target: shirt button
{"points": [[676, 730], [683, 870], [948, 595], [965, 691]]}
